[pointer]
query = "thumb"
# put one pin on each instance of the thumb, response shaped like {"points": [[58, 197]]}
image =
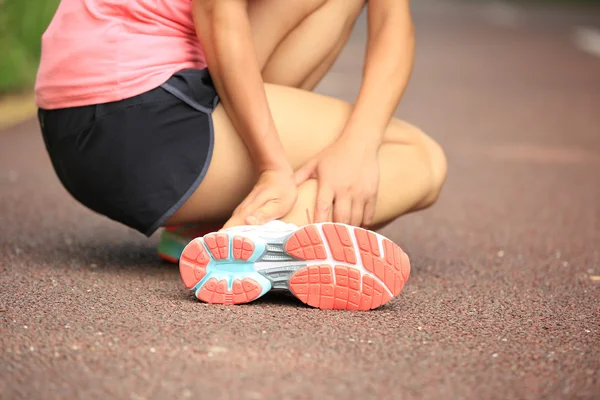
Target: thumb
{"points": [[306, 172], [266, 213]]}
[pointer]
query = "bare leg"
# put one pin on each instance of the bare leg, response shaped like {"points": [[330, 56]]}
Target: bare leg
{"points": [[297, 45], [341, 276], [307, 123]]}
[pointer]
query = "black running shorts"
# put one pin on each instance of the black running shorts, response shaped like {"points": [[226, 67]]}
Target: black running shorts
{"points": [[136, 161]]}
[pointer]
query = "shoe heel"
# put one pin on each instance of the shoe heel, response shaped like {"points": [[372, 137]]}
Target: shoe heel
{"points": [[219, 268]]}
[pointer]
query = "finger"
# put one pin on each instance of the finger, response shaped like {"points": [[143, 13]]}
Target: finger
{"points": [[251, 198], [305, 172], [323, 204], [265, 207], [266, 213], [369, 213], [356, 216], [253, 201], [342, 209], [252, 209]]}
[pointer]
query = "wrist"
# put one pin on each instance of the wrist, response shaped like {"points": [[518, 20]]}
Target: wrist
{"points": [[278, 166], [362, 134], [273, 159], [267, 153]]}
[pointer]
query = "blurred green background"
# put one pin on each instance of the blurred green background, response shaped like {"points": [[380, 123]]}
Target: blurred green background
{"points": [[22, 23]]}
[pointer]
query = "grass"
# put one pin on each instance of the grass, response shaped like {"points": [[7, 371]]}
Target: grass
{"points": [[22, 23]]}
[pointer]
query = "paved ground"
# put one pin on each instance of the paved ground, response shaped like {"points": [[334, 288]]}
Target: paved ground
{"points": [[502, 302]]}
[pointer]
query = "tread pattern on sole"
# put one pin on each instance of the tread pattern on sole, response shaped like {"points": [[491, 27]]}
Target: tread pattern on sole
{"points": [[216, 291], [306, 244], [218, 244], [196, 258], [393, 269], [193, 262], [340, 243], [242, 248], [335, 284], [339, 286], [314, 286]]}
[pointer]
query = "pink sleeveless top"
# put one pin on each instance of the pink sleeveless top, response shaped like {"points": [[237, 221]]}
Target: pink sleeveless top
{"points": [[99, 51]]}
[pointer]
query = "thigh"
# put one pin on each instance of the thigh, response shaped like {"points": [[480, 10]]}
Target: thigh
{"points": [[307, 123], [307, 52], [273, 20]]}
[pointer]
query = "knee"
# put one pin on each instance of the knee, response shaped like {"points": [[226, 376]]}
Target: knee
{"points": [[438, 165], [431, 153]]}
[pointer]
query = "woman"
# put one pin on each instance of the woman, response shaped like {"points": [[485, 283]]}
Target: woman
{"points": [[177, 112]]}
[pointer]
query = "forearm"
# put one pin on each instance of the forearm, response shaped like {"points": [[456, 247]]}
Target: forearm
{"points": [[224, 31], [387, 69]]}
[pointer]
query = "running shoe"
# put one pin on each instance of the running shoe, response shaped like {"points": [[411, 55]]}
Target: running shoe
{"points": [[325, 265]]}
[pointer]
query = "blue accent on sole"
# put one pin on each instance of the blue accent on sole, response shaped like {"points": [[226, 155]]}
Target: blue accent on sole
{"points": [[231, 269]]}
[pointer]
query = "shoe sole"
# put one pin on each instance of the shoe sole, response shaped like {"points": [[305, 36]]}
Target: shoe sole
{"points": [[328, 266]]}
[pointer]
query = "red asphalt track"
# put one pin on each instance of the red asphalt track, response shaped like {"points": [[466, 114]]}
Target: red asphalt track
{"points": [[503, 301]]}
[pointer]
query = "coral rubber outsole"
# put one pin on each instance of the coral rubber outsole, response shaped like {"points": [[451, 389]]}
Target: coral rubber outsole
{"points": [[328, 266]]}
